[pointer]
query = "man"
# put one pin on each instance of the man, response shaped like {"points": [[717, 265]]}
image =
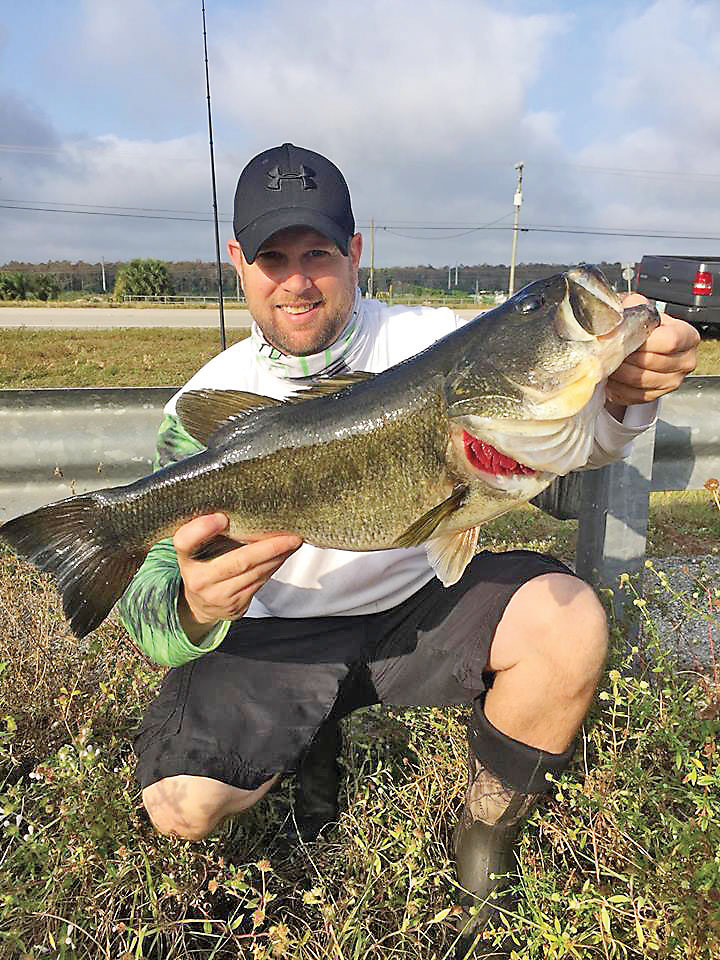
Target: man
{"points": [[274, 641]]}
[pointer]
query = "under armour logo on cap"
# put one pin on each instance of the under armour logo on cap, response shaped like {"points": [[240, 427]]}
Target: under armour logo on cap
{"points": [[289, 186], [275, 178]]}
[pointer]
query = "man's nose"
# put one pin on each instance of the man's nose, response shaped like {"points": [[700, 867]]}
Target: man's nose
{"points": [[297, 282]]}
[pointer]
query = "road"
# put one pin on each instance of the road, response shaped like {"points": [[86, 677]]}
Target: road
{"points": [[107, 318]]}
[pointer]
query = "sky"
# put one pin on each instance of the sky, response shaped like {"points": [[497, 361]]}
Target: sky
{"points": [[611, 107]]}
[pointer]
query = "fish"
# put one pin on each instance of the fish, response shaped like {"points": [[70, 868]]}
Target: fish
{"points": [[422, 453]]}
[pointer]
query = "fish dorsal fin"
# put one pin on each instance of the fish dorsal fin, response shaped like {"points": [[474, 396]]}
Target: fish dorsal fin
{"points": [[450, 553], [327, 385], [202, 412], [423, 529]]}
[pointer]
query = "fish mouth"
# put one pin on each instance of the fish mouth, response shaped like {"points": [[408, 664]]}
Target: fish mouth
{"points": [[483, 456], [536, 446]]}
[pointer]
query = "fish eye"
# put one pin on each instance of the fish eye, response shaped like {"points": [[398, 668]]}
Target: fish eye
{"points": [[528, 304]]}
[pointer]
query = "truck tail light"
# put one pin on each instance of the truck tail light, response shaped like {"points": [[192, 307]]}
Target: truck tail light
{"points": [[703, 286]]}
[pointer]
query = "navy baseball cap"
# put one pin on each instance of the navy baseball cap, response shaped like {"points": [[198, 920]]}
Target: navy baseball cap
{"points": [[289, 186]]}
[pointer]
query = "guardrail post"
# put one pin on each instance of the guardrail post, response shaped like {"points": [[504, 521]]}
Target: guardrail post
{"points": [[612, 528]]}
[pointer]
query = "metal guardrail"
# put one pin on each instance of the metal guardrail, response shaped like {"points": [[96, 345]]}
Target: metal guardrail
{"points": [[60, 442]]}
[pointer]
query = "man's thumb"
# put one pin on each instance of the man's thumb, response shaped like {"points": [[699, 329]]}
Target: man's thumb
{"points": [[192, 535]]}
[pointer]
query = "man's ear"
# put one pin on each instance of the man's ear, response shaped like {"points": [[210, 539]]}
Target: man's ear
{"points": [[355, 249], [235, 254], [236, 257]]}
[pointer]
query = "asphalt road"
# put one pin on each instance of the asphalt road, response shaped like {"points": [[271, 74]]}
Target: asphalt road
{"points": [[104, 318]]}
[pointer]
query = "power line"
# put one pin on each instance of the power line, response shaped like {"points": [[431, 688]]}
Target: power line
{"points": [[100, 213], [632, 171], [465, 227], [668, 235], [100, 206], [452, 236]]}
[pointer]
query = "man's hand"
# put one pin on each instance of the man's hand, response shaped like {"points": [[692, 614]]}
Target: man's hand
{"points": [[668, 355], [222, 588]]}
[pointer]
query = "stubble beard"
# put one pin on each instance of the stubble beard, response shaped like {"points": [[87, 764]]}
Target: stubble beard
{"points": [[296, 344]]}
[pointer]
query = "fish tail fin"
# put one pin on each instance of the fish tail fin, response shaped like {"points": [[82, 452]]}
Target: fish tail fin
{"points": [[73, 541]]}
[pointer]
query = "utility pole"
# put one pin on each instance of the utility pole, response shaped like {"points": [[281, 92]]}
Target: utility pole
{"points": [[371, 279], [456, 274], [103, 275], [449, 277], [518, 203]]}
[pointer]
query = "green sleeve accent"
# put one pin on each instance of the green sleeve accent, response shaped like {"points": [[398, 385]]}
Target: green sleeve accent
{"points": [[148, 611], [148, 608], [174, 443]]}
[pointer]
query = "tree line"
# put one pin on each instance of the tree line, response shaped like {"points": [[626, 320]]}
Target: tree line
{"points": [[150, 277]]}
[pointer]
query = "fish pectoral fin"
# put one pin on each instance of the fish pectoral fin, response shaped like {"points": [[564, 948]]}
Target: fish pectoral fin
{"points": [[327, 385], [217, 547], [202, 412], [450, 553], [424, 527]]}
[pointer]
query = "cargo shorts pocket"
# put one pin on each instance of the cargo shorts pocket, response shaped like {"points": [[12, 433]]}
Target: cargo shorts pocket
{"points": [[163, 717]]}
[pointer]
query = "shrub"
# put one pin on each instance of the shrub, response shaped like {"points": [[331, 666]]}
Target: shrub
{"points": [[13, 286], [142, 278], [25, 286]]}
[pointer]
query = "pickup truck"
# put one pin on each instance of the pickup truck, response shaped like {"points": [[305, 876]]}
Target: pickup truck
{"points": [[689, 287]]}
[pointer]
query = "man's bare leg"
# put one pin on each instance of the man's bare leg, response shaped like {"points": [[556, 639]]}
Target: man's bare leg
{"points": [[548, 654], [192, 807]]}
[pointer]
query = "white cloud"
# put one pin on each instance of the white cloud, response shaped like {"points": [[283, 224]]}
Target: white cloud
{"points": [[425, 78], [660, 75], [425, 108]]}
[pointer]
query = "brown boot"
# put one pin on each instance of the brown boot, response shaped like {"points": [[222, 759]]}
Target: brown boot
{"points": [[483, 843], [506, 778]]}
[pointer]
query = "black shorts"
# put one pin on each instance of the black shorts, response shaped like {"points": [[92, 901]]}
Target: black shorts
{"points": [[249, 709]]}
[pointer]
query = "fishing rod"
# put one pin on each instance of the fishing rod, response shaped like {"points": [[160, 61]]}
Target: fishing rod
{"points": [[214, 189]]}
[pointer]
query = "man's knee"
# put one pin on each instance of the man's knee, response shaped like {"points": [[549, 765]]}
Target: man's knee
{"points": [[556, 618], [192, 807]]}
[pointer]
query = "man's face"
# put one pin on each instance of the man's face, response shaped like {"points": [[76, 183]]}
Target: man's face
{"points": [[300, 288]]}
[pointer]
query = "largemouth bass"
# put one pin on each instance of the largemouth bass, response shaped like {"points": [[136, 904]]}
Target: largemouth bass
{"points": [[426, 452]]}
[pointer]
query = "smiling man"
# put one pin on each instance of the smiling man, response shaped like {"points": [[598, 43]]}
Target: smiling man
{"points": [[274, 641]]}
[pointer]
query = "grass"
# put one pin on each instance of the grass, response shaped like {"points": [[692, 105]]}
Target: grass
{"points": [[708, 357], [139, 357], [620, 861], [680, 524], [124, 357]]}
